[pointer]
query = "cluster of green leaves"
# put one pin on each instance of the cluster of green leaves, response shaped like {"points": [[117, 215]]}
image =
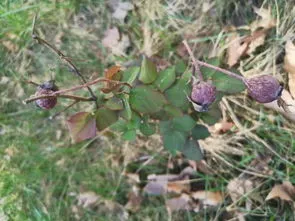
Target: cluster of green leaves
{"points": [[156, 102]]}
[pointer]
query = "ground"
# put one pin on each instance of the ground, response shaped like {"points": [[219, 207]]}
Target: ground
{"points": [[44, 176]]}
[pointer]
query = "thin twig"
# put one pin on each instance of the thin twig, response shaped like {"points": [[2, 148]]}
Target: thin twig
{"points": [[67, 96], [232, 74], [196, 65], [61, 93], [63, 58]]}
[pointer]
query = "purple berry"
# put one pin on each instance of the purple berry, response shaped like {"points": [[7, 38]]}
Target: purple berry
{"points": [[46, 88], [203, 94], [264, 88]]}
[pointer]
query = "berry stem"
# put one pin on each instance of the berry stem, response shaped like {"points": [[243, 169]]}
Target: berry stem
{"points": [[63, 58], [196, 65], [61, 93], [67, 96], [229, 73]]}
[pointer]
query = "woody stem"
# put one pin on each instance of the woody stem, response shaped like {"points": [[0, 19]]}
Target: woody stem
{"points": [[196, 65]]}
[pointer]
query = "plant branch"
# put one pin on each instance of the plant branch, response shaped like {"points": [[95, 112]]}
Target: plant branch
{"points": [[67, 96], [232, 74], [60, 93], [66, 108], [63, 58], [195, 64]]}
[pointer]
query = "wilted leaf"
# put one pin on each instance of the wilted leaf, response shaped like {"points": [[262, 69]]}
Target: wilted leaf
{"points": [[223, 127], [179, 203], [148, 71], [289, 110], [87, 199], [120, 9], [134, 199], [236, 49], [155, 188], [165, 79], [284, 191], [266, 21], [144, 99], [82, 126], [105, 118], [114, 42], [200, 132], [289, 65], [208, 198]]}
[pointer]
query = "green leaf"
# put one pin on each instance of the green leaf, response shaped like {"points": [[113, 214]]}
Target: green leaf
{"points": [[165, 126], [192, 151], [180, 67], [147, 129], [129, 135], [173, 111], [200, 132], [227, 84], [119, 126], [130, 75], [127, 112], [148, 71], [114, 103], [212, 116], [184, 123], [82, 126], [134, 123], [223, 82], [143, 99], [173, 140], [105, 118], [177, 94], [165, 79]]}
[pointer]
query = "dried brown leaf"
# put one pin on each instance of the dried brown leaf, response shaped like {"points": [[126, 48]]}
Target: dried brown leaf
{"points": [[289, 65], [266, 21], [179, 203], [116, 43], [208, 198], [223, 126], [134, 199], [284, 191], [236, 49], [288, 110], [87, 199]]}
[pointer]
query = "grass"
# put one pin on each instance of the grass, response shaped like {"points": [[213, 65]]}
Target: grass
{"points": [[41, 172]]}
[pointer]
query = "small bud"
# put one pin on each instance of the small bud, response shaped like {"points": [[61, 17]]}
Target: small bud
{"points": [[264, 88], [203, 94], [46, 88]]}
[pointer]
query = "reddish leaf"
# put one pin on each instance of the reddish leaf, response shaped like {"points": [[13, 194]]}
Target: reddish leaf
{"points": [[82, 126]]}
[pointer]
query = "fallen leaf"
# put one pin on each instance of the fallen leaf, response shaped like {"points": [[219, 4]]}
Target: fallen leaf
{"points": [[236, 49], [255, 40], [179, 203], [266, 21], [289, 110], [87, 199], [223, 126], [208, 198], [133, 177], [284, 191], [82, 126], [289, 65], [238, 187], [155, 188], [120, 9], [134, 199], [116, 43]]}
